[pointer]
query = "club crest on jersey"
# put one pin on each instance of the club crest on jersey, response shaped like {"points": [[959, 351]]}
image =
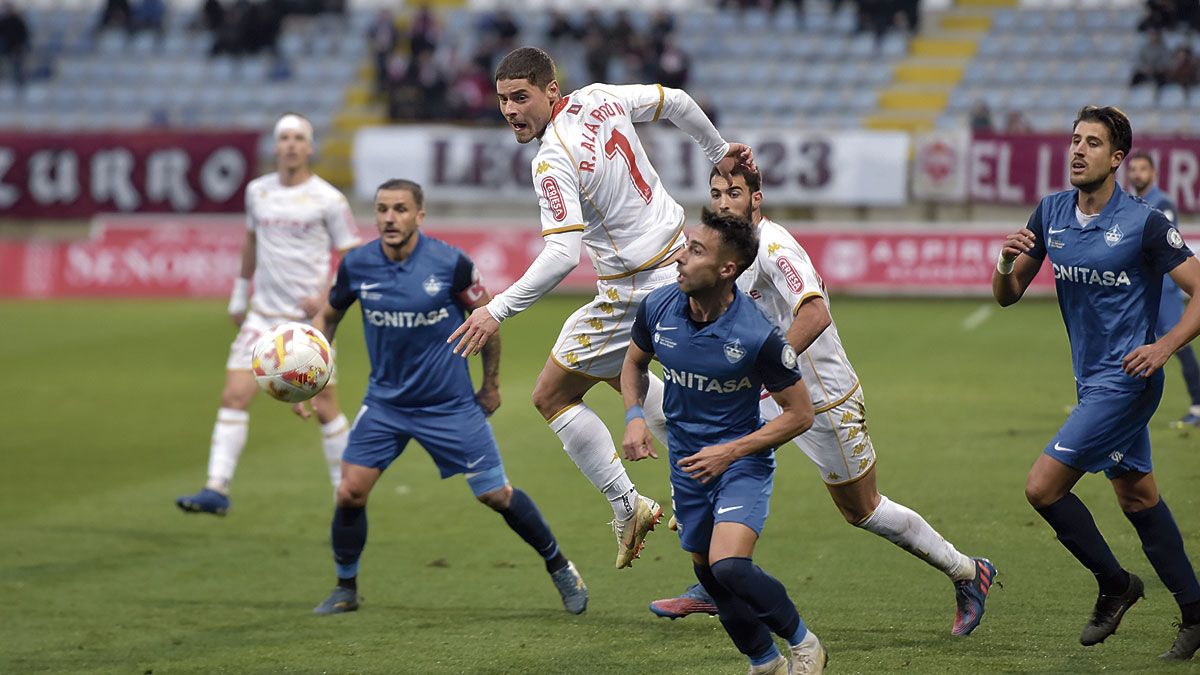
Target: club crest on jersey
{"points": [[1113, 235], [554, 198], [734, 351], [1174, 238], [432, 285]]}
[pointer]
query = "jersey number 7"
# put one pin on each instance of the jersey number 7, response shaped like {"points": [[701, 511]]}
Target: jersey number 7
{"points": [[619, 144]]}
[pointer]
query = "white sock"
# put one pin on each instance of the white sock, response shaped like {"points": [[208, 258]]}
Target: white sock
{"points": [[228, 439], [1195, 410], [589, 445], [334, 436], [656, 419], [907, 529]]}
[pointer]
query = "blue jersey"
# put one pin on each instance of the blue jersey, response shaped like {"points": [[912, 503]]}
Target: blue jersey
{"points": [[1108, 275], [409, 309], [713, 373]]}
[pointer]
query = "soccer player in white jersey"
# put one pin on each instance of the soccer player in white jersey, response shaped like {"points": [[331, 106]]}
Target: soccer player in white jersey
{"points": [[597, 190], [785, 285], [293, 220]]}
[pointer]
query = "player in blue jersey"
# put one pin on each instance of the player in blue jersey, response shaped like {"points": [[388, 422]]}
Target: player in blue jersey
{"points": [[414, 291], [1140, 170], [718, 351], [1109, 252]]}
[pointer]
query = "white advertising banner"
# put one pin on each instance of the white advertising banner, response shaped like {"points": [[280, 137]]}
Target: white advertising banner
{"points": [[867, 168]]}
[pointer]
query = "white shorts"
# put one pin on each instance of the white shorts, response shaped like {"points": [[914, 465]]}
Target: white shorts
{"points": [[241, 352], [838, 442], [594, 339]]}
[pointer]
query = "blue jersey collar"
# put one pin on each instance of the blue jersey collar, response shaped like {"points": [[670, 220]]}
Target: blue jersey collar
{"points": [[721, 327], [403, 264], [1106, 214]]}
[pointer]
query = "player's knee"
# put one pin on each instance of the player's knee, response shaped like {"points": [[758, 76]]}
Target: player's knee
{"points": [[1132, 502], [732, 572], [236, 397], [545, 401], [351, 495], [497, 500], [1039, 495]]}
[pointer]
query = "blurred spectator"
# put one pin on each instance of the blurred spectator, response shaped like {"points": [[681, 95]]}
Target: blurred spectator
{"points": [[1153, 60], [149, 15], [622, 35], [1184, 69], [116, 13], [1162, 14], [662, 25], [560, 27], [981, 117], [14, 41], [596, 53], [423, 33], [672, 66], [212, 14], [427, 74], [471, 96], [383, 37], [1016, 123]]}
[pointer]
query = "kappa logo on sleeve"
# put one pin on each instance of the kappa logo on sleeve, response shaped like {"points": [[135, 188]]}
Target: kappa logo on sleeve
{"points": [[554, 198], [789, 272]]}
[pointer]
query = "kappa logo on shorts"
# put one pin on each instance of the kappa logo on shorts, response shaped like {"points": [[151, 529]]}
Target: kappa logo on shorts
{"points": [[789, 272], [554, 198], [734, 351]]}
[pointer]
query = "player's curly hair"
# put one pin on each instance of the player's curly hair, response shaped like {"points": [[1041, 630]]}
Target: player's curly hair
{"points": [[753, 178], [1120, 133], [527, 63], [737, 235]]}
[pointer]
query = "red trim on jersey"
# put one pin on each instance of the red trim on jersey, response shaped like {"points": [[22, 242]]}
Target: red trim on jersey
{"points": [[562, 103]]}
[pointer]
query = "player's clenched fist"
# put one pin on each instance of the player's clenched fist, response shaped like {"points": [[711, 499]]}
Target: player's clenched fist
{"points": [[1018, 242]]}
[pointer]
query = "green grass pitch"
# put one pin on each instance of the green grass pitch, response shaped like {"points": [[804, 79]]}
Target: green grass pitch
{"points": [[108, 408]]}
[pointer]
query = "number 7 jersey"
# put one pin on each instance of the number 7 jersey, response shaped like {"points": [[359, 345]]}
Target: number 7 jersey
{"points": [[592, 176]]}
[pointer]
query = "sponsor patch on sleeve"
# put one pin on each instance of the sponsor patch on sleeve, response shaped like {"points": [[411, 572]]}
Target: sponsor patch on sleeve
{"points": [[789, 272], [1174, 238], [554, 198]]}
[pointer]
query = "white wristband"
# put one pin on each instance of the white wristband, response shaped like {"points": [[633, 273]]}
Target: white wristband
{"points": [[1003, 266], [239, 299]]}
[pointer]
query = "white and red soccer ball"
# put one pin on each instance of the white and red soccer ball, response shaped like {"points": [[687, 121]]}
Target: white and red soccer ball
{"points": [[292, 362]]}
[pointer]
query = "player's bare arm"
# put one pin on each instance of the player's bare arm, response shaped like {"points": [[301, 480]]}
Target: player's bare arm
{"points": [[1008, 287], [635, 382], [327, 321], [738, 154], [239, 300], [488, 394], [796, 418], [1145, 360], [811, 319]]}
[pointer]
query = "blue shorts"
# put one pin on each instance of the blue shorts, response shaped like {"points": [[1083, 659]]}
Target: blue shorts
{"points": [[740, 495], [455, 434], [1108, 431], [1170, 307]]}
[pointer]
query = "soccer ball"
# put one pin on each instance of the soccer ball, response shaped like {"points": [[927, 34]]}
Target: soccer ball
{"points": [[292, 362]]}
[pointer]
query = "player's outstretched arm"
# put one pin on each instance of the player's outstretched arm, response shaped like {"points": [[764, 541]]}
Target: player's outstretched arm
{"points": [[474, 298], [239, 299], [796, 418], [327, 321], [635, 382], [1014, 271], [1145, 360]]}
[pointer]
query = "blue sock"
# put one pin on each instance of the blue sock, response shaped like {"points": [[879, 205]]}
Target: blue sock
{"points": [[1191, 372], [1075, 528], [763, 594], [1163, 546], [749, 635], [523, 517], [348, 534]]}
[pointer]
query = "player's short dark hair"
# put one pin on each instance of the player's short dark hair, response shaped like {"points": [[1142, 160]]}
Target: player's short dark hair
{"points": [[404, 184], [753, 178], [527, 63], [1141, 154], [737, 234], [1120, 133]]}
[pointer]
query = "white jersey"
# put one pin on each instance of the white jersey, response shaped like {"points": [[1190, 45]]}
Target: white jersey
{"points": [[592, 175], [780, 279], [295, 228]]}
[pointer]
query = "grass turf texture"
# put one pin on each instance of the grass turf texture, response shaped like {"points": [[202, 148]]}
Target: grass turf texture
{"points": [[108, 410]]}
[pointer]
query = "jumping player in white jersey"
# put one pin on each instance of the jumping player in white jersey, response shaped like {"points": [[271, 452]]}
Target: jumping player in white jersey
{"points": [[293, 220], [786, 286], [596, 189]]}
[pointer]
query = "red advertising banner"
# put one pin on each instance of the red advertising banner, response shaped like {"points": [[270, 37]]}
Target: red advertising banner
{"points": [[1022, 169], [52, 175], [200, 256]]}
